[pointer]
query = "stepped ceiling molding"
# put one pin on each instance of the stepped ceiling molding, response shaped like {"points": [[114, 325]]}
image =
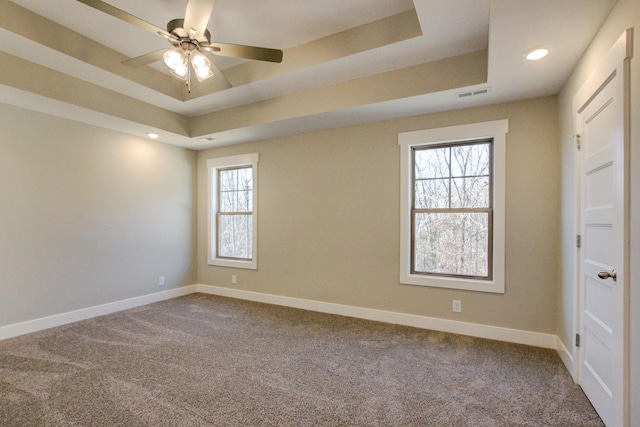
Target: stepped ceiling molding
{"points": [[345, 62]]}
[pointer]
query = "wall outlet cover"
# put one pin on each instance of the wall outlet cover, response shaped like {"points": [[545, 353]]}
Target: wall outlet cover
{"points": [[457, 306]]}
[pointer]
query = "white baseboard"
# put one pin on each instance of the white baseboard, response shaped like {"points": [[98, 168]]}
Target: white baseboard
{"points": [[567, 358], [463, 328], [35, 325], [535, 339]]}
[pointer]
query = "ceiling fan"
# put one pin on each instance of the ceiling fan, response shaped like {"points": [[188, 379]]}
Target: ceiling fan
{"points": [[190, 39]]}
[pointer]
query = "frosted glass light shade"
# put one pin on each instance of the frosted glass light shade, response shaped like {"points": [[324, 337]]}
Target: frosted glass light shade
{"points": [[174, 58], [201, 66], [199, 60], [180, 71]]}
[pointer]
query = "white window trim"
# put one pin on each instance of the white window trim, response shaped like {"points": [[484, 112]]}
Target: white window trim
{"points": [[407, 140], [213, 165]]}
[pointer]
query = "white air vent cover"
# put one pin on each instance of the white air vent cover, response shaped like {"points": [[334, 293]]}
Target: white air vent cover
{"points": [[475, 92]]}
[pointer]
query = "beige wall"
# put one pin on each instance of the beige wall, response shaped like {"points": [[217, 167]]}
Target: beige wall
{"points": [[626, 14], [329, 219], [88, 216]]}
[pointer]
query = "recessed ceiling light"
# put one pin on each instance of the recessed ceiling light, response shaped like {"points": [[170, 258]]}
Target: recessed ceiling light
{"points": [[535, 54], [207, 138], [153, 135]]}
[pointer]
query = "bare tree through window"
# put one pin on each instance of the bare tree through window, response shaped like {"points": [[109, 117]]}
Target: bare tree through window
{"points": [[452, 209]]}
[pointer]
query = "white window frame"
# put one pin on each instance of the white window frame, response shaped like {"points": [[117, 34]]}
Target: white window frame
{"points": [[213, 165], [496, 130]]}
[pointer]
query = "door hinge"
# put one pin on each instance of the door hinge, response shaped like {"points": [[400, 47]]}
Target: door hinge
{"points": [[577, 138], [578, 241], [577, 340]]}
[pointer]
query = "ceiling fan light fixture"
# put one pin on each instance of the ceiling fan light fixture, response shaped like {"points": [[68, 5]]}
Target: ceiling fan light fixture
{"points": [[201, 65], [199, 60], [203, 74], [180, 71], [174, 58], [187, 44]]}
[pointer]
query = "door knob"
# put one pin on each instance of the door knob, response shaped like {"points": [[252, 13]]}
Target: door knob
{"points": [[606, 275]]}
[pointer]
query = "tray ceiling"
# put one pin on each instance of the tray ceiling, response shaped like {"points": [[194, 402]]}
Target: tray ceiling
{"points": [[345, 62]]}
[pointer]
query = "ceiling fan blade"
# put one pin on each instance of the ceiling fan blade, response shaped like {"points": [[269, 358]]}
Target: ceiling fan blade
{"points": [[146, 59], [122, 15], [197, 16], [219, 77], [247, 52]]}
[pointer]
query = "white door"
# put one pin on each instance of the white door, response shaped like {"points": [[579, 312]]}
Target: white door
{"points": [[600, 122]]}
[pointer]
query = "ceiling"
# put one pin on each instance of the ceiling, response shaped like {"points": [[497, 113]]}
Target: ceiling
{"points": [[345, 62]]}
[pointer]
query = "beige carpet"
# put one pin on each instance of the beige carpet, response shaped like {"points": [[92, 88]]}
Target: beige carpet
{"points": [[201, 360]]}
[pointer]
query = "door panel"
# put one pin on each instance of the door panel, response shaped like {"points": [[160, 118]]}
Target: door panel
{"points": [[596, 295], [599, 184]]}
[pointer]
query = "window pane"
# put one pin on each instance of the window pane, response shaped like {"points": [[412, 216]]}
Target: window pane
{"points": [[236, 190], [452, 243], [236, 179], [470, 160], [245, 179], [431, 194], [245, 201], [235, 234], [431, 163], [228, 179], [228, 201], [470, 192]]}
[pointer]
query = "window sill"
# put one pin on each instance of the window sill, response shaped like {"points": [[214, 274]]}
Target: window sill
{"points": [[248, 265], [491, 286]]}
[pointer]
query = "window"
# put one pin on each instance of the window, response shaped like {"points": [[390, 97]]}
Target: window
{"points": [[452, 207], [451, 212], [233, 211]]}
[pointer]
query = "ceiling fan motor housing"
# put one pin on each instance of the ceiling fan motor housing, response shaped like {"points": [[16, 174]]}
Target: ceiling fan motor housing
{"points": [[176, 27]]}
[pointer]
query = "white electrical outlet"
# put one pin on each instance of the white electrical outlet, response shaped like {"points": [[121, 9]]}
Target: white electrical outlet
{"points": [[457, 306], [161, 281], [234, 280]]}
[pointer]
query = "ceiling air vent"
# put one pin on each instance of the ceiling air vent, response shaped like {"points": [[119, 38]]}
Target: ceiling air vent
{"points": [[469, 94]]}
